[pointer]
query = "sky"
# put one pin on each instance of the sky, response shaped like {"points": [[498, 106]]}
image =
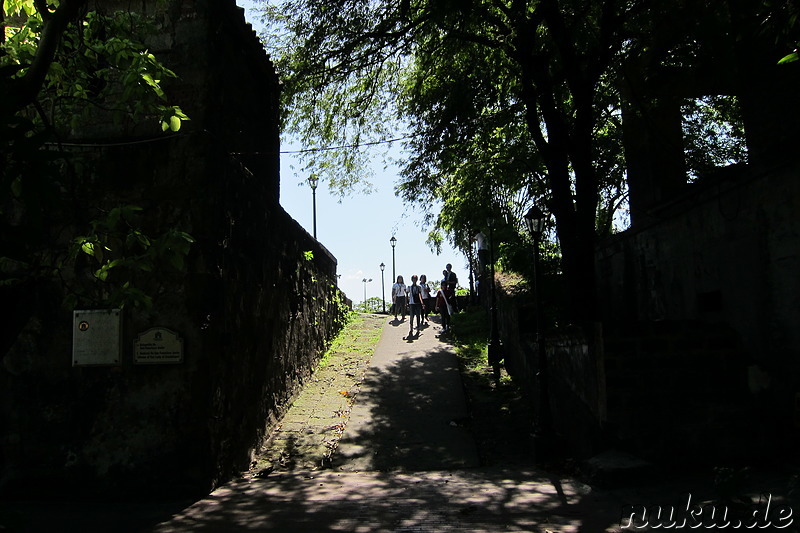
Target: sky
{"points": [[357, 229]]}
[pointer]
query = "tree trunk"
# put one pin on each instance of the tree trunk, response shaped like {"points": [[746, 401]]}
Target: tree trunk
{"points": [[574, 213]]}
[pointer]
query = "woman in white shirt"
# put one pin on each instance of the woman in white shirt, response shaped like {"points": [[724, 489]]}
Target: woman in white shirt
{"points": [[426, 297], [399, 297]]}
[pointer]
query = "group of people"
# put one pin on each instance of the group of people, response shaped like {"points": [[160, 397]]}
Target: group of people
{"points": [[418, 299]]}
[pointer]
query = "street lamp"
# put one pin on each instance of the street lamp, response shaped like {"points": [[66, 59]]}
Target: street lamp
{"points": [[393, 242], [495, 346], [313, 181], [471, 273], [383, 289], [365, 280], [534, 220]]}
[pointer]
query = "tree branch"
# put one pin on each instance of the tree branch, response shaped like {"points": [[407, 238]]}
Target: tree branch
{"points": [[21, 92], [43, 9]]}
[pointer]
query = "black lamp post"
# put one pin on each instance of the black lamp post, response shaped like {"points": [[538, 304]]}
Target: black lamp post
{"points": [[471, 276], [383, 289], [495, 347], [393, 242], [535, 219], [313, 181], [365, 280]]}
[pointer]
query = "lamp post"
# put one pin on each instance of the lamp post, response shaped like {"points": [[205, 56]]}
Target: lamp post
{"points": [[313, 181], [471, 276], [495, 347], [393, 242], [535, 219], [365, 280], [383, 289]]}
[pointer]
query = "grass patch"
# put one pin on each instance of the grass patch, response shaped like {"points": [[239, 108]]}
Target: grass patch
{"points": [[501, 414], [470, 335], [359, 335], [471, 332]]}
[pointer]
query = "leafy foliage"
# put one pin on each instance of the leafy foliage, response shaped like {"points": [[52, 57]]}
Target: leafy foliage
{"points": [[713, 133], [343, 314], [506, 103], [66, 71], [502, 101], [101, 68], [121, 251]]}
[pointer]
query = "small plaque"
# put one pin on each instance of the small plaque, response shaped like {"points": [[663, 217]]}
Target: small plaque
{"points": [[96, 337], [158, 346]]}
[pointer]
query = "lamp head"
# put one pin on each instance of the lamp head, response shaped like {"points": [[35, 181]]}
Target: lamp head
{"points": [[534, 219], [382, 267], [313, 181], [393, 241]]}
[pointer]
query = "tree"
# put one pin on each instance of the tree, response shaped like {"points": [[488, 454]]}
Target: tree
{"points": [[506, 101], [61, 65], [21, 90], [518, 89]]}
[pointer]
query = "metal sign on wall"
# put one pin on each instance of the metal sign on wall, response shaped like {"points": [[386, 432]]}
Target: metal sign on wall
{"points": [[96, 337], [158, 346]]}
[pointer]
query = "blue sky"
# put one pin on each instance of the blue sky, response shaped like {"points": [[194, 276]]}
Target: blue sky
{"points": [[357, 229]]}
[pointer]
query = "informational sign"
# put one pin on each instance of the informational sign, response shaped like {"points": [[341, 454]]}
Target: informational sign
{"points": [[96, 337], [158, 346]]}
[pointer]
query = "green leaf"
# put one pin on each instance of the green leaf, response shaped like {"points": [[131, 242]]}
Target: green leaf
{"points": [[113, 217], [177, 261], [16, 186], [794, 56], [137, 237], [185, 236], [174, 123], [101, 274]]}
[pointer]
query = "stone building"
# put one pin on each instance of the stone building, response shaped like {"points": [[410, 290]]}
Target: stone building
{"points": [[708, 270], [253, 308], [697, 357]]}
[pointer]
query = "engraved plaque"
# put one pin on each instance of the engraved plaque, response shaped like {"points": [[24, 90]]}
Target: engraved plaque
{"points": [[96, 337], [158, 346]]}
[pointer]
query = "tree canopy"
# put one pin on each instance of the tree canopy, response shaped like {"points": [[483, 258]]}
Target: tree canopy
{"points": [[504, 103], [63, 67]]}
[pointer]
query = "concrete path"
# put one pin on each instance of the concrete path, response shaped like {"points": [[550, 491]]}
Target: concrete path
{"points": [[403, 464], [407, 413]]}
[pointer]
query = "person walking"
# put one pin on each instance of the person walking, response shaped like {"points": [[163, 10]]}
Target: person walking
{"points": [[399, 298], [415, 305], [444, 308], [483, 252], [449, 284], [427, 298]]}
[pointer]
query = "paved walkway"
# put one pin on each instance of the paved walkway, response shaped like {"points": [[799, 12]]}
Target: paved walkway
{"points": [[407, 412], [376, 444], [403, 461]]}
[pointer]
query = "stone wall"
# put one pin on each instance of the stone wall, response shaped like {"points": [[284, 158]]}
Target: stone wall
{"points": [[575, 366], [677, 392], [725, 253], [255, 305], [698, 357]]}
